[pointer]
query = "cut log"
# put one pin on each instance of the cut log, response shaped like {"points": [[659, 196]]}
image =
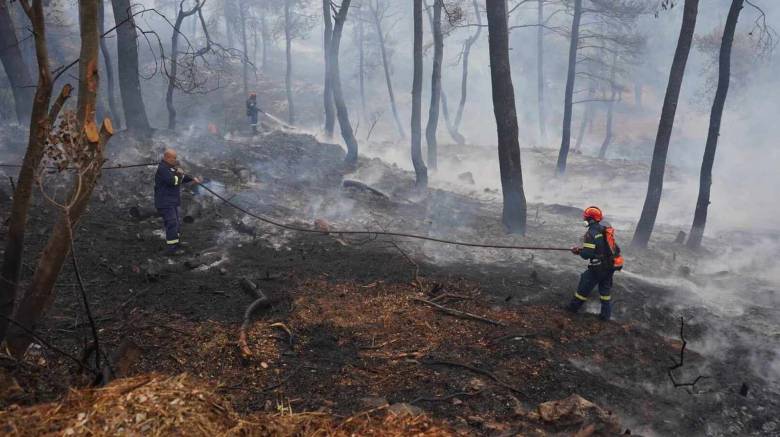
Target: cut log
{"points": [[348, 183]]}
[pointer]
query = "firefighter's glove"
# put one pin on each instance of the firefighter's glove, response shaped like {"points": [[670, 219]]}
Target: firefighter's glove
{"points": [[576, 250]]}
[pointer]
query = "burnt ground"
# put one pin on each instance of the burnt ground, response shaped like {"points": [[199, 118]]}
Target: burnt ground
{"points": [[359, 334]]}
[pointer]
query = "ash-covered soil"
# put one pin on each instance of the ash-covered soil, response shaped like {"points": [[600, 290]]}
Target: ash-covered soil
{"points": [[362, 335]]}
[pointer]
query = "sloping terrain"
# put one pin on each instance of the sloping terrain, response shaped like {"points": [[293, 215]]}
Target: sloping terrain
{"points": [[472, 340]]}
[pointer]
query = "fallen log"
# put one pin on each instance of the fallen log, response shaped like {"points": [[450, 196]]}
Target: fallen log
{"points": [[348, 183]]}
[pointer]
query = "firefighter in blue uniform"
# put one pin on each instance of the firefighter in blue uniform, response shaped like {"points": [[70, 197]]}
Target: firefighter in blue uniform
{"points": [[252, 110], [167, 197], [604, 258]]}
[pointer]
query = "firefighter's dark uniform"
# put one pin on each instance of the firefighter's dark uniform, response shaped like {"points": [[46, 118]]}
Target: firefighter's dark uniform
{"points": [[167, 198], [251, 112], [599, 273]]}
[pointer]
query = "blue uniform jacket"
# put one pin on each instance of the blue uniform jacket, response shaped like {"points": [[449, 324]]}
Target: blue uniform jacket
{"points": [[167, 186], [594, 248]]}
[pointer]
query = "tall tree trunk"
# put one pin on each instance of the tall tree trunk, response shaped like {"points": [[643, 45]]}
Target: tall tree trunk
{"points": [[361, 60], [420, 171], [464, 81], [540, 72], [243, 11], [229, 21], [40, 121], [338, 96], [514, 216], [266, 34], [386, 67], [586, 117], [40, 294], [563, 154], [129, 81], [15, 67], [655, 184], [433, 110], [109, 65], [174, 67], [724, 76], [330, 108], [610, 108], [288, 36], [454, 134]]}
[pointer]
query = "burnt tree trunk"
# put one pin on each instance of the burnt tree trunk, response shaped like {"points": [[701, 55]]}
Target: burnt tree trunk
{"points": [[338, 96], [610, 108], [330, 108], [129, 81], [540, 73], [40, 293], [420, 171], [586, 114], [571, 74], [361, 60], [109, 66], [243, 11], [40, 121], [464, 81], [724, 76], [288, 36], [655, 184], [433, 109], [454, 134], [15, 67], [174, 67], [386, 67], [514, 215], [266, 35]]}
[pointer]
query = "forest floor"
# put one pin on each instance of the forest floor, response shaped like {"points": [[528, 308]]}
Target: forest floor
{"points": [[356, 337]]}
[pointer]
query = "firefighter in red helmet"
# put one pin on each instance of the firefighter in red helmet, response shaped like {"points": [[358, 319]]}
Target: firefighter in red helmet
{"points": [[604, 258]]}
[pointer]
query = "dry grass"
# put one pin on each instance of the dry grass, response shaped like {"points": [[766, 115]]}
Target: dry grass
{"points": [[156, 405]]}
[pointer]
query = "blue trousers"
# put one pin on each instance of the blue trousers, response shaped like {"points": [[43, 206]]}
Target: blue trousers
{"points": [[170, 217], [590, 279]]}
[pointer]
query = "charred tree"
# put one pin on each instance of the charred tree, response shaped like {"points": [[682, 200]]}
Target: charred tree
{"points": [[464, 81], [266, 35], [420, 171], [288, 37], [610, 108], [433, 110], [330, 108], [338, 96], [40, 122], [540, 72], [15, 67], [514, 215], [361, 59], [129, 81], [716, 115], [40, 293], [243, 11], [377, 19], [563, 154], [109, 68], [174, 56], [655, 184]]}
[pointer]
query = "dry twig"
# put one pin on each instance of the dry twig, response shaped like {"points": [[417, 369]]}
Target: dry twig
{"points": [[458, 313]]}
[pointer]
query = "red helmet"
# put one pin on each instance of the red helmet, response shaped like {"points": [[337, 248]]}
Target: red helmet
{"points": [[592, 213]]}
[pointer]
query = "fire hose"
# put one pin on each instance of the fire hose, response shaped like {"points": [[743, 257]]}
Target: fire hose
{"points": [[294, 228]]}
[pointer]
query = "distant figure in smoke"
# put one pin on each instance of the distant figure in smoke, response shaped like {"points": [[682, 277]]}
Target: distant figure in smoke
{"points": [[252, 110], [167, 197], [603, 253]]}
